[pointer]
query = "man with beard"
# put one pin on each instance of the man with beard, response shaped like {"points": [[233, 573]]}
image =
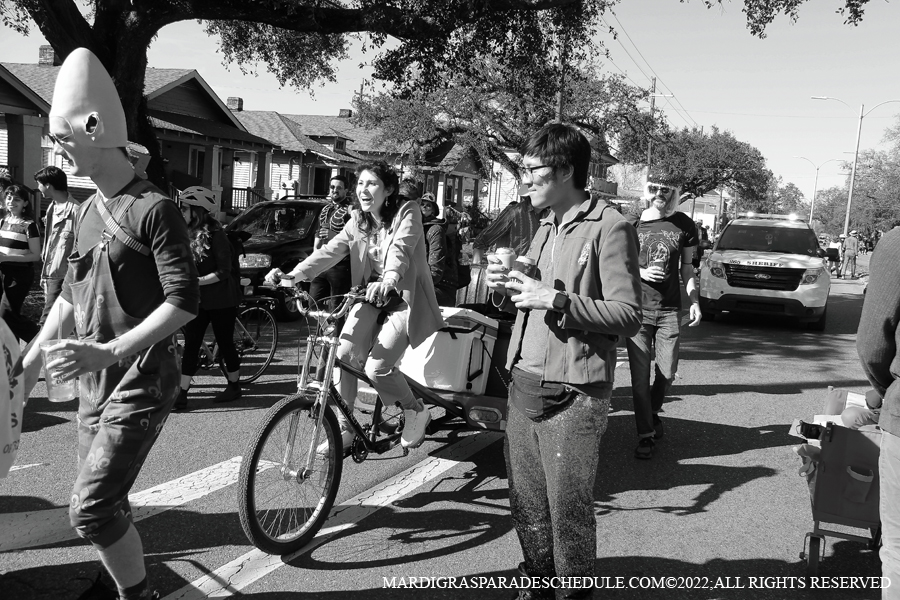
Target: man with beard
{"points": [[667, 241], [335, 280]]}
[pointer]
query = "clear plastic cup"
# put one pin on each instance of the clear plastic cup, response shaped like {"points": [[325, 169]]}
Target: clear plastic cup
{"points": [[58, 390], [507, 256]]}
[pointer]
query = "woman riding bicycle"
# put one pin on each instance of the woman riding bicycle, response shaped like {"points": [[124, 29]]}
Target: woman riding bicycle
{"points": [[220, 294], [386, 244]]}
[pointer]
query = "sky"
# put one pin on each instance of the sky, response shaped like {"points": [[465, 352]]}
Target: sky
{"points": [[719, 74]]}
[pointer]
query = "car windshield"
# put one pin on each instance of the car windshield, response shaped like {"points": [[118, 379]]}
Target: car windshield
{"points": [[271, 220], [769, 239]]}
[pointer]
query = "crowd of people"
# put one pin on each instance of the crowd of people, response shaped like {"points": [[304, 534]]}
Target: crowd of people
{"points": [[129, 268]]}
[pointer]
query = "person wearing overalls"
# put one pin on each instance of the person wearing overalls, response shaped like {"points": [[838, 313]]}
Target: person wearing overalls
{"points": [[131, 284]]}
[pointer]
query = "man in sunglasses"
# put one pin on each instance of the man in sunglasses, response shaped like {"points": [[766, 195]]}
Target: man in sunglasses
{"points": [[667, 242], [335, 280]]}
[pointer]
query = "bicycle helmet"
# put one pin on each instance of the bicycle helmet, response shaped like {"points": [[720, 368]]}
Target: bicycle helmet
{"points": [[197, 195]]}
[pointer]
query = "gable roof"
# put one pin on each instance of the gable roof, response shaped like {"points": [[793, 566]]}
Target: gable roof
{"points": [[289, 134], [361, 139], [41, 79]]}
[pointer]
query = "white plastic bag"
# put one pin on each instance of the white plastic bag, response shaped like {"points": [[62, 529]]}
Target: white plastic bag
{"points": [[12, 398]]}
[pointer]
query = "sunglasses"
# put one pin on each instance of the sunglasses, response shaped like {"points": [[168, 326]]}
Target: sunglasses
{"points": [[60, 124], [335, 187], [662, 189]]}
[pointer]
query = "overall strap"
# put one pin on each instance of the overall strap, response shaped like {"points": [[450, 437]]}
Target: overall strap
{"points": [[112, 222]]}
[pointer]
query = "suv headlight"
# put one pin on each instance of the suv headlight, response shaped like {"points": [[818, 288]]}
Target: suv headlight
{"points": [[255, 261], [810, 276], [716, 269]]}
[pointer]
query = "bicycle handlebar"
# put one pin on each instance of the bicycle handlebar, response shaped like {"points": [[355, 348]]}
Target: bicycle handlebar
{"points": [[355, 295]]}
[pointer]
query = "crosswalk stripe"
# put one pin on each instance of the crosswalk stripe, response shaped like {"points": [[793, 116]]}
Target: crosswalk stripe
{"points": [[236, 575], [42, 527]]}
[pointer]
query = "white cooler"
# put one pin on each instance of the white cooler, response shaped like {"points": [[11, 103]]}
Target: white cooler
{"points": [[458, 357]]}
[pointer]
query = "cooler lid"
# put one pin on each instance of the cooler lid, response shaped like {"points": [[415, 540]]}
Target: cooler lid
{"points": [[465, 318]]}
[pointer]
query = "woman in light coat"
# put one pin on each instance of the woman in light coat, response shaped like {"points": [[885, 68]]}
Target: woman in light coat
{"points": [[385, 241]]}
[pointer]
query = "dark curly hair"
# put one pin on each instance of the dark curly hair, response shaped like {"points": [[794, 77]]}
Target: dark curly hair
{"points": [[391, 206], [22, 194], [201, 228]]}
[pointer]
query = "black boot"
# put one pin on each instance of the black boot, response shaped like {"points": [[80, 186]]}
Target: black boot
{"points": [[231, 392]]}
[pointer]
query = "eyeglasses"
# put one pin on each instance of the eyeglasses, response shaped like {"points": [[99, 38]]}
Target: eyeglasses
{"points": [[529, 171], [662, 189], [60, 124], [55, 139]]}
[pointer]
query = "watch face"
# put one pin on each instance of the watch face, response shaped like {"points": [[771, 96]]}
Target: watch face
{"points": [[559, 301]]}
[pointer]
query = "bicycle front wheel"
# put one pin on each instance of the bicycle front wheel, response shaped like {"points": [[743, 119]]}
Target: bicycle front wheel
{"points": [[255, 337], [281, 505]]}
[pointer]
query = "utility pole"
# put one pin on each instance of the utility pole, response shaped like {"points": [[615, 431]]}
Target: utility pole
{"points": [[650, 137]]}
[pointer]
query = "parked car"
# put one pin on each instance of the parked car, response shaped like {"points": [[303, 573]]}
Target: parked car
{"points": [[282, 235], [767, 266]]}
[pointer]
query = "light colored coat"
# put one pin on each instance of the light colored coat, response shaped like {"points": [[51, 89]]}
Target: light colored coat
{"points": [[405, 258]]}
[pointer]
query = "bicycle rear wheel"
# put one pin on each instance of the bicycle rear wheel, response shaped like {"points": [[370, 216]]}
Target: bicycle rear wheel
{"points": [[255, 337], [281, 508]]}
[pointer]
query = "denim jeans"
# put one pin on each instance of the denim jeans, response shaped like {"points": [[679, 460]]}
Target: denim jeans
{"points": [[659, 330], [552, 465], [332, 282], [889, 472], [376, 349]]}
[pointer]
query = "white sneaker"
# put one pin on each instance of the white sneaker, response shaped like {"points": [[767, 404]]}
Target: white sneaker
{"points": [[347, 437], [416, 422]]}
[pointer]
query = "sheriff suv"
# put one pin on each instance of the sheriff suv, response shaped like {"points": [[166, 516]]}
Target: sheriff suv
{"points": [[771, 266]]}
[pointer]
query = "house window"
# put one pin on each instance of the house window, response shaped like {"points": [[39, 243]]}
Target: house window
{"points": [[340, 144], [196, 161]]}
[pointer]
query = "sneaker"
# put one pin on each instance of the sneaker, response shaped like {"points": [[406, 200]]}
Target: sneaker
{"points": [[231, 392], [182, 401], [645, 448], [347, 437], [416, 422], [658, 430]]}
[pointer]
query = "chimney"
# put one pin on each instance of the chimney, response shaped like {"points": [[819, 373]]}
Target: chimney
{"points": [[47, 57], [235, 104], [345, 113]]}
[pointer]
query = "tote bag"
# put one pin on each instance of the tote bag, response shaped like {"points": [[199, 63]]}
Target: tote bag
{"points": [[12, 398]]}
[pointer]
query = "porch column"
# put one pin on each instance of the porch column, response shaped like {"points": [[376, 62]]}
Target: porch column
{"points": [[264, 174], [24, 147]]}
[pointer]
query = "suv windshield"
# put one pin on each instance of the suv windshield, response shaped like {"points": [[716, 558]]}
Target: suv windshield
{"points": [[769, 239], [275, 219]]}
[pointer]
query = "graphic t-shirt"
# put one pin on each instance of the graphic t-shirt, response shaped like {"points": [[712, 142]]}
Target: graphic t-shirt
{"points": [[663, 240]]}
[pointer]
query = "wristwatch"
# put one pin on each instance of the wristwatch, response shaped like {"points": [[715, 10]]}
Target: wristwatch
{"points": [[561, 301]]}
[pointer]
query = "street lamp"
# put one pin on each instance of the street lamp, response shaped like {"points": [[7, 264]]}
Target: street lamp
{"points": [[862, 113], [812, 204]]}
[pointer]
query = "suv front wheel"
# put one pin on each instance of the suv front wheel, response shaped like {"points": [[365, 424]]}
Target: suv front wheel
{"points": [[285, 310], [818, 324]]}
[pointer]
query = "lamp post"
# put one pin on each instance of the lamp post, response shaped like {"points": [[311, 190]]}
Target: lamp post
{"points": [[812, 204], [862, 114]]}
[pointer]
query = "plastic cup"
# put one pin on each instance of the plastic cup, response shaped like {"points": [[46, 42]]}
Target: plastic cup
{"points": [[659, 262], [525, 265], [507, 256], [58, 390]]}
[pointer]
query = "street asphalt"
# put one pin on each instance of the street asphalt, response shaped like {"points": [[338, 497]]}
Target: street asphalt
{"points": [[719, 504]]}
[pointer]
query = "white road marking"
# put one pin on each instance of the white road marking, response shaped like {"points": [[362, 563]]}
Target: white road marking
{"points": [[236, 575], [17, 467], [41, 527]]}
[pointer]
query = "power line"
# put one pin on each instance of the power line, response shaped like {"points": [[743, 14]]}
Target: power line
{"points": [[612, 12]]}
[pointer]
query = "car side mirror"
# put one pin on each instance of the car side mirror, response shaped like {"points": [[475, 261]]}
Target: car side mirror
{"points": [[821, 253], [705, 245]]}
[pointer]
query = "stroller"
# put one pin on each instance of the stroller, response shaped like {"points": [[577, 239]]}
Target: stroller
{"points": [[844, 487]]}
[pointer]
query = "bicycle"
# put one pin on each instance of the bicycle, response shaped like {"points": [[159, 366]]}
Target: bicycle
{"points": [[290, 474], [255, 338]]}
